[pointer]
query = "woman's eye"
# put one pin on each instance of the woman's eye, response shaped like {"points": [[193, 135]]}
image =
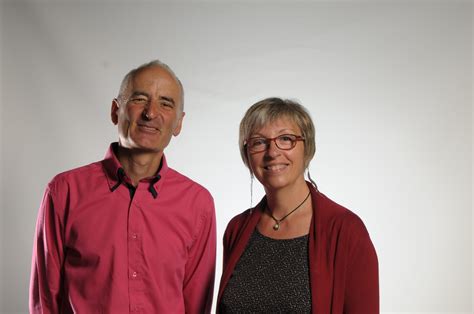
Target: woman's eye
{"points": [[258, 142], [286, 138]]}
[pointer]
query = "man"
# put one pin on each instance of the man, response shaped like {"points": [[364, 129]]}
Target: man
{"points": [[128, 234]]}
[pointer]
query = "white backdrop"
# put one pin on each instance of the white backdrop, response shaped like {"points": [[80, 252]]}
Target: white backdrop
{"points": [[388, 84]]}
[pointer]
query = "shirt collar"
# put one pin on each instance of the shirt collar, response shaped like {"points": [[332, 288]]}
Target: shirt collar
{"points": [[115, 174]]}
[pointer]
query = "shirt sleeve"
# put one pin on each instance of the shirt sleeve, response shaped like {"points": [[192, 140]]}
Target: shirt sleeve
{"points": [[362, 286], [200, 267], [47, 260]]}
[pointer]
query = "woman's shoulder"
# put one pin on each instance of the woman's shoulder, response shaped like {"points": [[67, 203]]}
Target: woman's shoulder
{"points": [[332, 214], [238, 221]]}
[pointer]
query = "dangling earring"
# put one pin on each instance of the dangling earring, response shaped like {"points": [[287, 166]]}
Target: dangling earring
{"points": [[311, 180], [251, 189]]}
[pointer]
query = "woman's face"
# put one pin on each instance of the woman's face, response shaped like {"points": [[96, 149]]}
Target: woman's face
{"points": [[276, 168]]}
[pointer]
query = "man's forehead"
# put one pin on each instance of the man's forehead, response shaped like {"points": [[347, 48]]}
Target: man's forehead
{"points": [[154, 72], [157, 77]]}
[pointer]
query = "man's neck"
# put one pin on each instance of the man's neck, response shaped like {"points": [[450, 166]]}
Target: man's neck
{"points": [[139, 165]]}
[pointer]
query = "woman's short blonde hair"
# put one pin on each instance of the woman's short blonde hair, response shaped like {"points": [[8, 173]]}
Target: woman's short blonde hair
{"points": [[270, 109]]}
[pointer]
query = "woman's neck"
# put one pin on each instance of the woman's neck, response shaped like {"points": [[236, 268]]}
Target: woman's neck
{"points": [[281, 201]]}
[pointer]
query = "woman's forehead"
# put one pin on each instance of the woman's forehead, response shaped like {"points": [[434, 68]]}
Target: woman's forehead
{"points": [[277, 123]]}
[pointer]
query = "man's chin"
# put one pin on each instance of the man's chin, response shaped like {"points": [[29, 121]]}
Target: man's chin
{"points": [[140, 149]]}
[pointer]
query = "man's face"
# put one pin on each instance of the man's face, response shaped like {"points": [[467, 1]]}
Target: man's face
{"points": [[149, 111]]}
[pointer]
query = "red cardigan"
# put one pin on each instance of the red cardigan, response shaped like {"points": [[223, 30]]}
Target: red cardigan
{"points": [[342, 259]]}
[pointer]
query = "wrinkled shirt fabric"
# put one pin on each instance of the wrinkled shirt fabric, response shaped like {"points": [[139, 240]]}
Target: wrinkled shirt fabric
{"points": [[100, 248]]}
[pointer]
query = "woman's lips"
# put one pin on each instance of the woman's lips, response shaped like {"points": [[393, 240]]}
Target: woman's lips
{"points": [[275, 167]]}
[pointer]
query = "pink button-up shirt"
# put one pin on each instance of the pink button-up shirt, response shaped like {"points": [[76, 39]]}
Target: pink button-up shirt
{"points": [[97, 250]]}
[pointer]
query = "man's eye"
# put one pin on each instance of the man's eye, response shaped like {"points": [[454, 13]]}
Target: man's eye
{"points": [[167, 104], [139, 100]]}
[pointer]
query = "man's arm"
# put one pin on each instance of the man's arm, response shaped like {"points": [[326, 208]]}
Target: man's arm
{"points": [[47, 260], [200, 267]]}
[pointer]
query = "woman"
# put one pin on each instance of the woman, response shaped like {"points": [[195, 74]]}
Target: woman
{"points": [[296, 251]]}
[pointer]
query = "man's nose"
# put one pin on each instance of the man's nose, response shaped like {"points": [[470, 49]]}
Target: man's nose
{"points": [[151, 110]]}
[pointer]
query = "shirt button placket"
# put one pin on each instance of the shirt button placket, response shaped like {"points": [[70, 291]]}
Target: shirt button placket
{"points": [[134, 262]]}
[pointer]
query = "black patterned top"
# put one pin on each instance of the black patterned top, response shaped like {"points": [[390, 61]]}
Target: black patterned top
{"points": [[272, 276]]}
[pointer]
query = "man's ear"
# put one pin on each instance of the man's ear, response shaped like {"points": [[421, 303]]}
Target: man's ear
{"points": [[114, 111], [177, 129]]}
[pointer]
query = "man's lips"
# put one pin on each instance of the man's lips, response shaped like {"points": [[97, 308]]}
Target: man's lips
{"points": [[148, 127]]}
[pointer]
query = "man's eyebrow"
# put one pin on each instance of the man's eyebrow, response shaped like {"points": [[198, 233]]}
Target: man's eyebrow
{"points": [[139, 93], [170, 99]]}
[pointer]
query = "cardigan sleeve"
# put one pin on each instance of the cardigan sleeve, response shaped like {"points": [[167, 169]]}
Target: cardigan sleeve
{"points": [[228, 240], [362, 283]]}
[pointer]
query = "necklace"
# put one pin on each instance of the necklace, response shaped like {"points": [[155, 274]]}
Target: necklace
{"points": [[276, 226]]}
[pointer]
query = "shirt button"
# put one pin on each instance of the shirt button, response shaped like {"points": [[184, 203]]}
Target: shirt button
{"points": [[134, 236], [134, 274]]}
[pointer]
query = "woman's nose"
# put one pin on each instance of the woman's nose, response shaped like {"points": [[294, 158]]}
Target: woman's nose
{"points": [[272, 150]]}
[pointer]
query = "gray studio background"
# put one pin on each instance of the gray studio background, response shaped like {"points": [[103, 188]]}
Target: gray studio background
{"points": [[388, 84]]}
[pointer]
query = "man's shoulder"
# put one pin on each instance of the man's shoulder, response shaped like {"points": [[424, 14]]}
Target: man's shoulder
{"points": [[76, 175], [178, 180], [189, 194]]}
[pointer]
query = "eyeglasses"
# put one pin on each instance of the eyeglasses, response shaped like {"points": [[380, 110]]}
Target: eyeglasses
{"points": [[283, 142]]}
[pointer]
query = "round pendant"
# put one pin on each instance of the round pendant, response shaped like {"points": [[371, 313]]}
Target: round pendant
{"points": [[276, 226]]}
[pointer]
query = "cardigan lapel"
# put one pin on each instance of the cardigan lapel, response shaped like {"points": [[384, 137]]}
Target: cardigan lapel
{"points": [[319, 274]]}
